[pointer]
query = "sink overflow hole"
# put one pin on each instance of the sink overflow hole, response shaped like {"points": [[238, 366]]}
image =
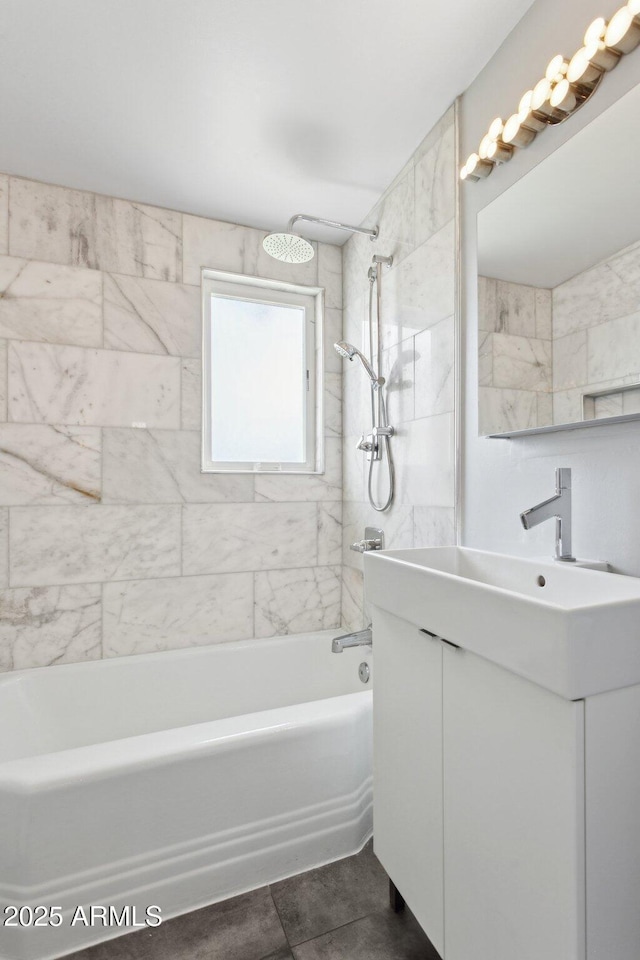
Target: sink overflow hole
{"points": [[541, 581]]}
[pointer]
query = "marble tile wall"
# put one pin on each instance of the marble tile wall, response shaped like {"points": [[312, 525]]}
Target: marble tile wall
{"points": [[596, 337], [541, 351], [416, 216], [111, 540], [515, 356]]}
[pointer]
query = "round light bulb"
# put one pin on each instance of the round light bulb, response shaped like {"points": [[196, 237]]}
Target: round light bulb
{"points": [[478, 168], [483, 149], [623, 33], [511, 128], [595, 31], [496, 127], [563, 97], [514, 133], [463, 172], [634, 6], [556, 68], [472, 162], [579, 66], [541, 93], [601, 58], [525, 103]]}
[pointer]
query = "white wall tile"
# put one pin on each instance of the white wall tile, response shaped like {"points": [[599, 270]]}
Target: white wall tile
{"points": [[88, 230], [60, 545], [163, 466], [424, 454], [353, 614], [433, 526], [394, 216], [216, 245], [330, 274], [435, 369], [329, 533], [332, 333], [487, 304], [151, 316], [305, 486], [567, 406], [614, 349], [3, 379], [50, 302], [333, 405], [421, 290], [41, 626], [503, 410], [43, 464], [230, 538], [522, 363], [54, 384], [191, 394], [4, 214], [435, 187], [353, 464], [544, 315], [515, 309], [398, 369], [485, 358], [570, 361], [4, 547], [297, 601], [145, 616]]}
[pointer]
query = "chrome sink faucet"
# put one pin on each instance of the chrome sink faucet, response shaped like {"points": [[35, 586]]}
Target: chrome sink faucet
{"points": [[559, 507]]}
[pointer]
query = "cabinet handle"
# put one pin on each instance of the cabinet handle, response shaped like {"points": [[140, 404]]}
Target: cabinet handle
{"points": [[435, 636], [456, 646]]}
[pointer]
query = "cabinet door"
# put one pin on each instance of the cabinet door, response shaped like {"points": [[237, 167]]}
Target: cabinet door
{"points": [[408, 766], [514, 816]]}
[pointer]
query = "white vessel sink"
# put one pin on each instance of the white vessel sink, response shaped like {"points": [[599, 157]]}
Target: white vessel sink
{"points": [[572, 630]]}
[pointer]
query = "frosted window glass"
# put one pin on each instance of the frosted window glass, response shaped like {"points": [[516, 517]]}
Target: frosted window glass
{"points": [[258, 381]]}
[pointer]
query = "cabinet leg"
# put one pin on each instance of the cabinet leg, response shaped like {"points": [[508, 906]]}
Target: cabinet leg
{"points": [[395, 898]]}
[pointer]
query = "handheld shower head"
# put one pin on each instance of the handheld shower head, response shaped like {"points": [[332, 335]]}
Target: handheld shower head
{"points": [[348, 351]]}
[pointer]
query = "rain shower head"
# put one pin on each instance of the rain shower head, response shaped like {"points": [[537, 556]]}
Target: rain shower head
{"points": [[348, 351], [291, 248], [288, 247]]}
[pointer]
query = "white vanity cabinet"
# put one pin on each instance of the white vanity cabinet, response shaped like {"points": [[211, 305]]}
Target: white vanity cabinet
{"points": [[503, 812], [408, 767]]}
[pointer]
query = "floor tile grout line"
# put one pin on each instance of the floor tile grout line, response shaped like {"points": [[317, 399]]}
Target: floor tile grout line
{"points": [[340, 926], [284, 930]]}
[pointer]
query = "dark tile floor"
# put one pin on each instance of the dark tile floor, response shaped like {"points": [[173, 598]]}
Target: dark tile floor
{"points": [[337, 912]]}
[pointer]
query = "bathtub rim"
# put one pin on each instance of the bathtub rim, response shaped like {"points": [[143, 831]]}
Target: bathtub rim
{"points": [[97, 761]]}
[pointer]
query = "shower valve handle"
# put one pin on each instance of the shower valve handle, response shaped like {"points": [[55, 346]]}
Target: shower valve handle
{"points": [[365, 443]]}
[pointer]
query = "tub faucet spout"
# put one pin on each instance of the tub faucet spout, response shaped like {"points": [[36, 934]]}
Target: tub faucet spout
{"points": [[558, 506], [360, 638]]}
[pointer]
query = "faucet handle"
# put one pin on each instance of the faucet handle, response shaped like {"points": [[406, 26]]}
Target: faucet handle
{"points": [[373, 540]]}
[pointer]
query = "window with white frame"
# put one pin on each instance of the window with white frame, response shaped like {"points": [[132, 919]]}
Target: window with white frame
{"points": [[262, 363]]}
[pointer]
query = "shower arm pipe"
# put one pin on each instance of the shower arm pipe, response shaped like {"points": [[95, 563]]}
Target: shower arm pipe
{"points": [[372, 233]]}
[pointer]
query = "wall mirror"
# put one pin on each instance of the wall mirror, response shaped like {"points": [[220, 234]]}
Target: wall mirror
{"points": [[559, 285]]}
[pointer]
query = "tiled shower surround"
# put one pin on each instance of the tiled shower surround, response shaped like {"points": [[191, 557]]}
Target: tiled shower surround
{"points": [[111, 540], [417, 218]]}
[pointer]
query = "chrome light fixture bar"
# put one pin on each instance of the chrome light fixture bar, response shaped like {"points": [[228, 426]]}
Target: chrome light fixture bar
{"points": [[565, 87]]}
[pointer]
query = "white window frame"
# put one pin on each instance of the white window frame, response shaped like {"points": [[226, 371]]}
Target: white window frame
{"points": [[311, 299]]}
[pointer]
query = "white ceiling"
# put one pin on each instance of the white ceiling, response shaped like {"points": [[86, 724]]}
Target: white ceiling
{"points": [[243, 110], [575, 209]]}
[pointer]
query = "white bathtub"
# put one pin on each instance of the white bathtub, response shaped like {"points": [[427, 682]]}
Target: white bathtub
{"points": [[176, 779]]}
